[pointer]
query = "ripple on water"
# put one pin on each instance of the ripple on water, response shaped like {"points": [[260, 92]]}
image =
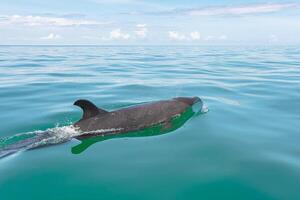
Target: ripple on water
{"points": [[247, 144]]}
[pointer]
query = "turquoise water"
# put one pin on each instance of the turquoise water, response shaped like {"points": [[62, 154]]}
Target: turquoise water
{"points": [[245, 147]]}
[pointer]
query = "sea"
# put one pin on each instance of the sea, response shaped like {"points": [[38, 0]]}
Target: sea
{"points": [[245, 147]]}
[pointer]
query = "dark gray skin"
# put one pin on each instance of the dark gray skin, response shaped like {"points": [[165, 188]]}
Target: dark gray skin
{"points": [[97, 122]]}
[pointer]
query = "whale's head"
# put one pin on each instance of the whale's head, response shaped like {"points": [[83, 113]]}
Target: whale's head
{"points": [[195, 102]]}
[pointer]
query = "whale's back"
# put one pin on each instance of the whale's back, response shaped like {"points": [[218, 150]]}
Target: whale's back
{"points": [[134, 117]]}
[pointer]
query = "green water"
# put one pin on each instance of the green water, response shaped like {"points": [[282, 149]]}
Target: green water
{"points": [[245, 147]]}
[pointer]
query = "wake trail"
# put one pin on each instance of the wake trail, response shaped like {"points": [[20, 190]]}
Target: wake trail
{"points": [[36, 139], [31, 140]]}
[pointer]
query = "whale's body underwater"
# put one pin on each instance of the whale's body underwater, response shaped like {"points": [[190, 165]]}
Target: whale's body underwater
{"points": [[97, 121]]}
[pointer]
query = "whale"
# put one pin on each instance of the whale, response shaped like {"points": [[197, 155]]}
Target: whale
{"points": [[194, 107], [96, 124], [99, 122]]}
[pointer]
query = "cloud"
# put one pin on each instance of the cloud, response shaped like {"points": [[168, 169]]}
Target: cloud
{"points": [[173, 35], [141, 30], [240, 10], [30, 20], [195, 35], [118, 34], [231, 10], [51, 36]]}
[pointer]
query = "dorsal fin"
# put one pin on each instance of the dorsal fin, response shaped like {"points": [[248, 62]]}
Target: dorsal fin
{"points": [[89, 109]]}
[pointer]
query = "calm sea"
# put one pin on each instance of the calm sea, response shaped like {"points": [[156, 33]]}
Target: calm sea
{"points": [[246, 147]]}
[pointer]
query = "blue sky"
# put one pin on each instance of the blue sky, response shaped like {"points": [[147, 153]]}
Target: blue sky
{"points": [[126, 22]]}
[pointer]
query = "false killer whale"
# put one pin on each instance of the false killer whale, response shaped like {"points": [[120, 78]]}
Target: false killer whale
{"points": [[141, 120], [96, 121]]}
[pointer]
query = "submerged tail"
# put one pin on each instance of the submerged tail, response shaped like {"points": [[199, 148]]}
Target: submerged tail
{"points": [[36, 139]]}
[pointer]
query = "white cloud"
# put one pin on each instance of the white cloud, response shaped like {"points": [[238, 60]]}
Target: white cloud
{"points": [[195, 35], [51, 36], [241, 10], [246, 9], [118, 34], [141, 30], [173, 35], [30, 20]]}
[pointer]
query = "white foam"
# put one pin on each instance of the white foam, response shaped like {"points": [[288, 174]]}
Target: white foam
{"points": [[108, 130], [200, 107], [204, 109], [57, 135]]}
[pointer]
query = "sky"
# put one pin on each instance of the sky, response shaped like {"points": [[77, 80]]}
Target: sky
{"points": [[145, 22]]}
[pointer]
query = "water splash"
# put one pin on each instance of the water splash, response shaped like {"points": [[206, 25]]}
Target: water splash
{"points": [[35, 139], [200, 107], [204, 109], [31, 140], [57, 135]]}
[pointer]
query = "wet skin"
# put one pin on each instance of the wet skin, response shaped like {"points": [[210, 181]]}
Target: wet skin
{"points": [[97, 121]]}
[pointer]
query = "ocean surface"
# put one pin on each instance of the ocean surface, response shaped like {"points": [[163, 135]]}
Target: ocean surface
{"points": [[246, 147]]}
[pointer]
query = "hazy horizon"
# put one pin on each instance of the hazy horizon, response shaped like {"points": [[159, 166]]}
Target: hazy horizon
{"points": [[134, 22]]}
